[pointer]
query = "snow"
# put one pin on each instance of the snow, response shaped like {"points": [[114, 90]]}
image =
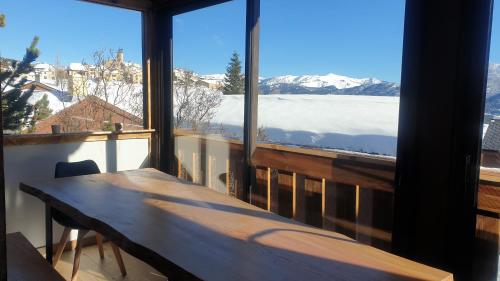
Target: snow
{"points": [[57, 100], [318, 81], [42, 66], [76, 66], [123, 97], [355, 123], [313, 81], [485, 129], [214, 78]]}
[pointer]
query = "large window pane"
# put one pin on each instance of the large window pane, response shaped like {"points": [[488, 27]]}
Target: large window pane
{"points": [[209, 96], [328, 113], [85, 78], [487, 230]]}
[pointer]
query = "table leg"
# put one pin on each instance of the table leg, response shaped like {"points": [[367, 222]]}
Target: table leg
{"points": [[48, 233]]}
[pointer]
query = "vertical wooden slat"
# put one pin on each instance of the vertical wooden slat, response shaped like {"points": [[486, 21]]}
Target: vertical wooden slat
{"points": [[194, 172], [327, 210], [209, 176], [272, 190], [487, 247], [356, 210], [299, 200], [228, 178], [179, 164], [259, 193], [235, 188], [269, 189], [323, 198]]}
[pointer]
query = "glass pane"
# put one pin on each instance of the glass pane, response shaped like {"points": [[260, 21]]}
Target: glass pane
{"points": [[328, 114], [84, 77], [209, 48], [487, 227]]}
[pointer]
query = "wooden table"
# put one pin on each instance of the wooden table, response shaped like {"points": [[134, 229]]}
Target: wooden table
{"points": [[191, 232]]}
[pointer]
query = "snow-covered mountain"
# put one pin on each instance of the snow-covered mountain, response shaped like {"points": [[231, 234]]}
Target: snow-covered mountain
{"points": [[213, 78], [320, 81], [493, 79], [315, 84], [328, 84], [493, 90], [334, 84]]}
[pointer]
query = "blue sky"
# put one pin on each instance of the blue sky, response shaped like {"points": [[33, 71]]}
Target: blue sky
{"points": [[359, 38], [69, 29]]}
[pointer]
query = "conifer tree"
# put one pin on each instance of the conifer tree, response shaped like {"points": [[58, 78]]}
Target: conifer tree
{"points": [[15, 108], [234, 81], [41, 110]]}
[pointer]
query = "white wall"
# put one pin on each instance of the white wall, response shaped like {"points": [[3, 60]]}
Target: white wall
{"points": [[26, 213]]}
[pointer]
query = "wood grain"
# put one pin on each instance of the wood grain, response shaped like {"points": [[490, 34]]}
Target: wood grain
{"points": [[298, 197], [189, 232], [35, 139], [24, 263]]}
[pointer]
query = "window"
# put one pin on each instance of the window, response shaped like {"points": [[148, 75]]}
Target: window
{"points": [[209, 96], [491, 128], [328, 114], [85, 78], [487, 231]]}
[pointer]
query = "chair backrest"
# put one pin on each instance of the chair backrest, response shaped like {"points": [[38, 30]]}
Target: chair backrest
{"points": [[70, 169]]}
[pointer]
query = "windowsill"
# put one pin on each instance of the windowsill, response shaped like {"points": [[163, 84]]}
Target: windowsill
{"points": [[34, 139]]}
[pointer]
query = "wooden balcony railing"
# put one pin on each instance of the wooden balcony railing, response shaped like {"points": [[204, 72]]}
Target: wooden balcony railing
{"points": [[351, 193]]}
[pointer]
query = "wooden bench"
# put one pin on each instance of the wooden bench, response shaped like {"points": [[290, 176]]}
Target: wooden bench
{"points": [[24, 262]]}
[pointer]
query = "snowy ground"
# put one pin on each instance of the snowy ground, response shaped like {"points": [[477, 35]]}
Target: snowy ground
{"points": [[126, 98], [356, 123]]}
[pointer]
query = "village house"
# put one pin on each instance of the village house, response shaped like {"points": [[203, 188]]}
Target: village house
{"points": [[42, 71], [77, 77], [87, 115], [114, 70]]}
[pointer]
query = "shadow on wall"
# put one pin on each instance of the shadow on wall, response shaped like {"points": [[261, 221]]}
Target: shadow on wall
{"points": [[37, 162]]}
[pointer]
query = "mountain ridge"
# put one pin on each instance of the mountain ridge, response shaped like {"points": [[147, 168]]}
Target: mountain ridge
{"points": [[334, 84]]}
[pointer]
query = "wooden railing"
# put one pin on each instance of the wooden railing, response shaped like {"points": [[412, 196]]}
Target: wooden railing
{"points": [[38, 139], [351, 193]]}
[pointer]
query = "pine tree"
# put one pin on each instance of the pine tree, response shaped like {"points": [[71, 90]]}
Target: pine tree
{"points": [[234, 81], [15, 107], [41, 110]]}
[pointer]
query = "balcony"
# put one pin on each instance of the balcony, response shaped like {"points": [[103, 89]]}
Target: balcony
{"points": [[350, 193], [347, 192], [179, 214]]}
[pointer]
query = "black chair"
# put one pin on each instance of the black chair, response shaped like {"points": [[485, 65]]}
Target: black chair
{"points": [[65, 169]]}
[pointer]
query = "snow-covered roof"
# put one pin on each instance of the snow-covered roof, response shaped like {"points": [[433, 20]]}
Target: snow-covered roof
{"points": [[491, 140], [76, 66], [57, 100], [132, 64], [43, 66]]}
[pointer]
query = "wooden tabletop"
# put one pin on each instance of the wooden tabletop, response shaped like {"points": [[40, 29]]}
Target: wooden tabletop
{"points": [[191, 232]]}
